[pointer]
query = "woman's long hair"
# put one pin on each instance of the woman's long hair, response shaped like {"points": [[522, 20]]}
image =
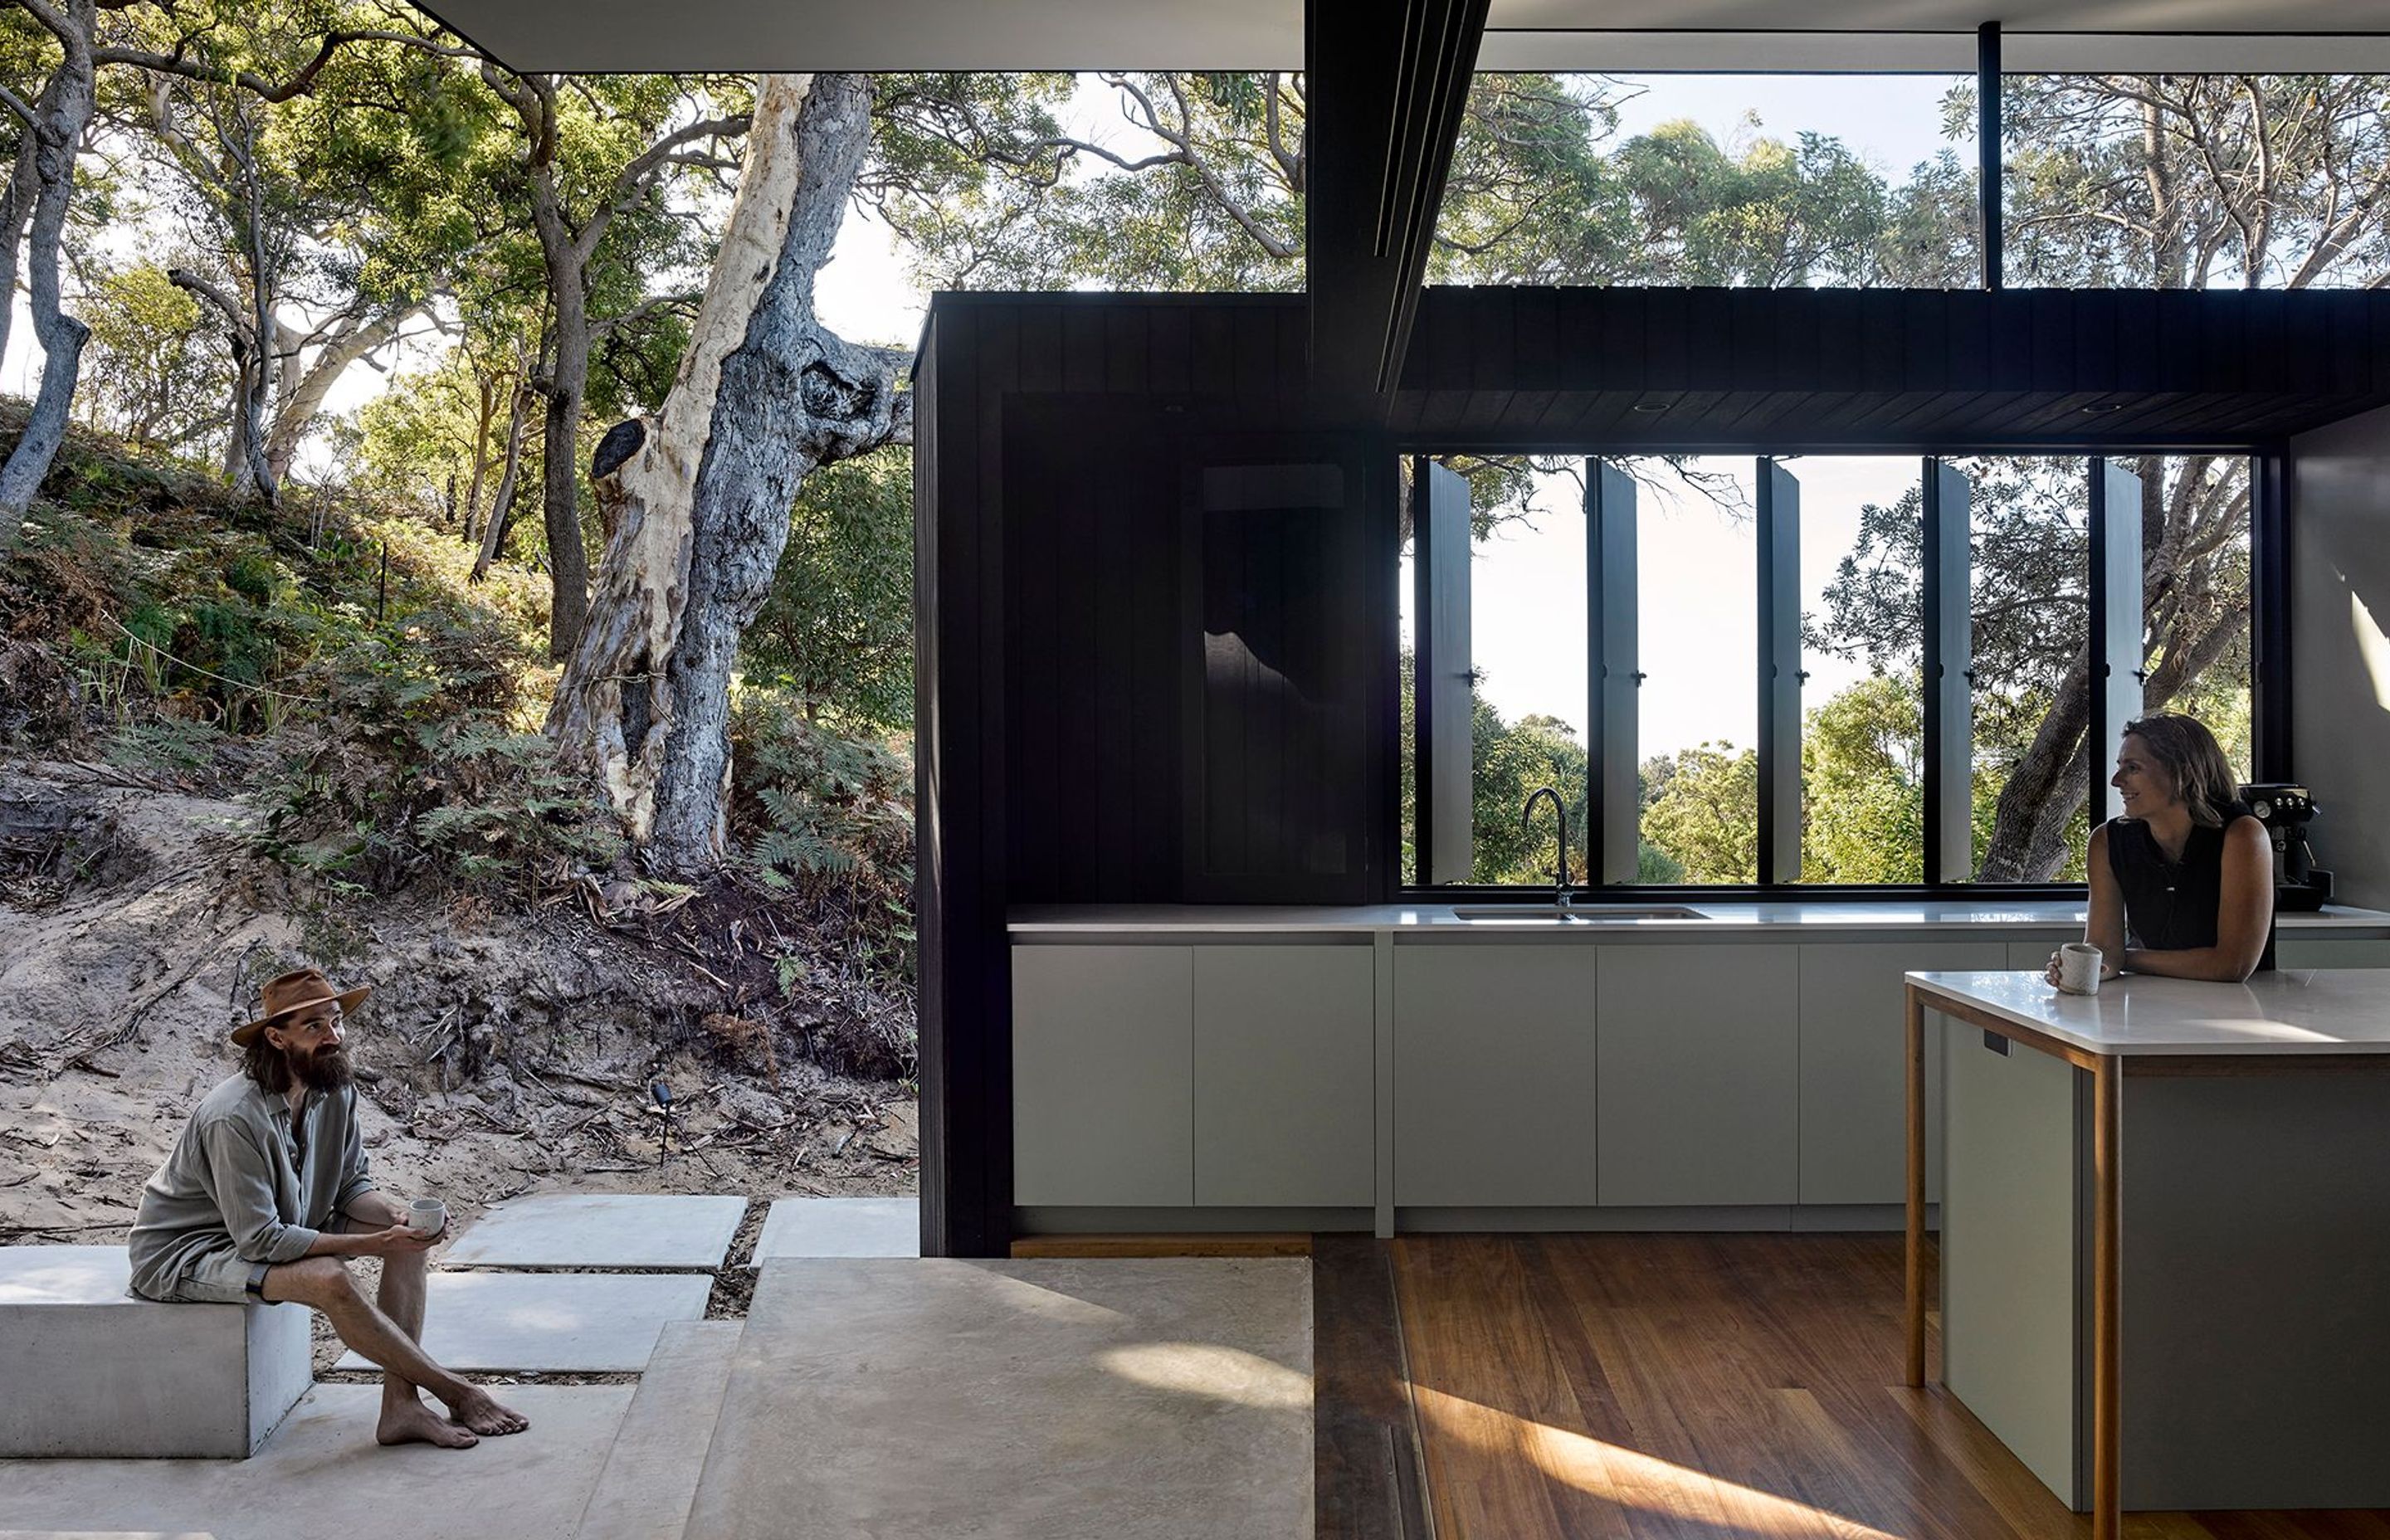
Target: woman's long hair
{"points": [[2193, 761]]}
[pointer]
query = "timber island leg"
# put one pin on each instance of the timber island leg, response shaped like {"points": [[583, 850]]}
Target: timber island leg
{"points": [[2107, 1158], [1914, 1029]]}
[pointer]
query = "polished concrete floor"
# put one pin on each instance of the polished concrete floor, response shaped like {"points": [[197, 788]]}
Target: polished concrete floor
{"points": [[322, 1477], [1127, 1399], [1112, 1399]]}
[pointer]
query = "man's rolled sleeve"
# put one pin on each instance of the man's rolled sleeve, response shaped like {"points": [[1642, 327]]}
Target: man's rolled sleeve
{"points": [[356, 1181], [241, 1181]]}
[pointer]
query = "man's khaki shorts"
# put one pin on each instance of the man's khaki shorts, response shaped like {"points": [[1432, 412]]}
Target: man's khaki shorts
{"points": [[225, 1277], [220, 1277]]}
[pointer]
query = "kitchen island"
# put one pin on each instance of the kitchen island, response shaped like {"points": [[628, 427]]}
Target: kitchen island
{"points": [[2165, 1232]]}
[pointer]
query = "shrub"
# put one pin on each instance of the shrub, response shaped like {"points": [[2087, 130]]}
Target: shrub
{"points": [[828, 816]]}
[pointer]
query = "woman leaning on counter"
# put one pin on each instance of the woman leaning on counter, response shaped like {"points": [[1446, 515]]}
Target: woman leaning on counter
{"points": [[2182, 882]]}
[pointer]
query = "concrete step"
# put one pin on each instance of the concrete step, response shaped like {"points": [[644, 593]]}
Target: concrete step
{"points": [[649, 1478]]}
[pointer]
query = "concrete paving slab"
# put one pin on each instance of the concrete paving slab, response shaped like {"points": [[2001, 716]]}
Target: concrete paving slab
{"points": [[841, 1228], [322, 1477], [601, 1229], [567, 1322], [651, 1477], [1078, 1399]]}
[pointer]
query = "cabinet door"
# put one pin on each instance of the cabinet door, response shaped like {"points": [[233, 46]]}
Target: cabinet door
{"points": [[1698, 1074], [1854, 1066], [1103, 1040], [1284, 1081], [1493, 1074], [2329, 951], [2033, 953]]}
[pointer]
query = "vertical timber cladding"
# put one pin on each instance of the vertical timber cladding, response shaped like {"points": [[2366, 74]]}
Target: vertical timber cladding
{"points": [[1280, 639], [1064, 444]]}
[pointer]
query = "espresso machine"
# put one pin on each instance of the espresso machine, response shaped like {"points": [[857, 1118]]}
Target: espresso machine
{"points": [[2299, 883]]}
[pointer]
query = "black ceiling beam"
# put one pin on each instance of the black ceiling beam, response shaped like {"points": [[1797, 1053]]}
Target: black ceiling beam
{"points": [[1384, 89]]}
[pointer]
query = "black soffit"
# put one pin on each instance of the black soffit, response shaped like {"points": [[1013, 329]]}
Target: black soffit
{"points": [[1781, 368], [1907, 369]]}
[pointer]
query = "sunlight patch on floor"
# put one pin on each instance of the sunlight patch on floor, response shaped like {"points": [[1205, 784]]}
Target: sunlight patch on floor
{"points": [[1630, 1478], [1210, 1369]]}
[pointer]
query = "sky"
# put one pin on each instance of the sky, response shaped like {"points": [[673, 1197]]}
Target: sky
{"points": [[1698, 611]]}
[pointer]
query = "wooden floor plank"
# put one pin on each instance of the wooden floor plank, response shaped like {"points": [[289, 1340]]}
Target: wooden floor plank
{"points": [[1661, 1387]]}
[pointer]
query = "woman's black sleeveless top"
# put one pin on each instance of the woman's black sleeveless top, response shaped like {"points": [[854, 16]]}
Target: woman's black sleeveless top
{"points": [[2171, 906]]}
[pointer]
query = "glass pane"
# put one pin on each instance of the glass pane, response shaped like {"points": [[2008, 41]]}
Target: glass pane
{"points": [[1697, 709], [2087, 157], [1527, 642], [2030, 613], [1862, 715], [1740, 180], [2195, 617]]}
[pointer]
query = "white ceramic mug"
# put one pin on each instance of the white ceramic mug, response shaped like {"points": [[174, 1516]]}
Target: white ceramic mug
{"points": [[2079, 968], [426, 1217]]}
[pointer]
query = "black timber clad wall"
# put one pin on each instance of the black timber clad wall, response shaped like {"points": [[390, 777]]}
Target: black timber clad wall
{"points": [[1054, 439], [1091, 605]]}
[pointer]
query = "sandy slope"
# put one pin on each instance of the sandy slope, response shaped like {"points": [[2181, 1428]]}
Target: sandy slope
{"points": [[502, 1051]]}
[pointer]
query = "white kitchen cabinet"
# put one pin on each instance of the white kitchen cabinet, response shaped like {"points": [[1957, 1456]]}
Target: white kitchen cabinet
{"points": [[2326, 950], [1698, 1073], [1103, 1105], [2032, 954], [1853, 1063], [1495, 1063], [1284, 1076]]}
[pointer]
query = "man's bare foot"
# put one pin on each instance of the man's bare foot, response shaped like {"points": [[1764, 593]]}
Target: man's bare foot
{"points": [[418, 1423], [476, 1410]]}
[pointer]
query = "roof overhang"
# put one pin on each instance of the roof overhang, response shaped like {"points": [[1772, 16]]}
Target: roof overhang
{"points": [[1622, 36]]}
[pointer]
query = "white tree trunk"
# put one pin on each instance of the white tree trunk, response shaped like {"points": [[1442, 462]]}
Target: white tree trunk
{"points": [[303, 390], [696, 501], [62, 114]]}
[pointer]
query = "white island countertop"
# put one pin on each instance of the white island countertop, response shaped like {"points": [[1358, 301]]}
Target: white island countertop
{"points": [[1775, 916], [2344, 1010]]}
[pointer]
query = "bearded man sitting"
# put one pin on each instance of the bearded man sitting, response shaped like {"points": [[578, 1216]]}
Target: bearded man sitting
{"points": [[266, 1193]]}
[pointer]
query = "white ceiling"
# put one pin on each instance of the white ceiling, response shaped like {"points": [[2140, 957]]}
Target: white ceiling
{"points": [[2181, 36]]}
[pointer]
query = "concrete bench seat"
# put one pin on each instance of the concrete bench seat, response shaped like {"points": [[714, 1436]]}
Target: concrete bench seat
{"points": [[94, 1372]]}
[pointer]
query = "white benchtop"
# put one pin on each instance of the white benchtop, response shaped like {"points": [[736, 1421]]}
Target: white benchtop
{"points": [[1906, 915], [2304, 1011]]}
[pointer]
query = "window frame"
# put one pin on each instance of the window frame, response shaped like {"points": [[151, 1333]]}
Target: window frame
{"points": [[1943, 627]]}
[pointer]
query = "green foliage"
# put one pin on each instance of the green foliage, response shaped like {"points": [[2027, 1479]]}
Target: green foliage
{"points": [[380, 717], [1702, 812], [154, 371], [1863, 787], [415, 769], [830, 816], [1508, 761], [836, 630]]}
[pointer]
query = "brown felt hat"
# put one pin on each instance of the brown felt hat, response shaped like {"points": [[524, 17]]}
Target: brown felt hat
{"points": [[292, 992]]}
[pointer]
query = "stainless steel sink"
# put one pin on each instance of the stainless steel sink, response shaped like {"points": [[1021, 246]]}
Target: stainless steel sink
{"points": [[1589, 913]]}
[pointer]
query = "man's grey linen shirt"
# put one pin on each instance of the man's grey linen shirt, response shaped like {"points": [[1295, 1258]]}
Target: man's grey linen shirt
{"points": [[235, 1180]]}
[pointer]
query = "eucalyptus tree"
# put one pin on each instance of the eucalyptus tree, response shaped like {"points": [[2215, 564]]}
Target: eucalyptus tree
{"points": [[597, 157], [318, 206], [696, 498], [185, 41], [39, 186]]}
